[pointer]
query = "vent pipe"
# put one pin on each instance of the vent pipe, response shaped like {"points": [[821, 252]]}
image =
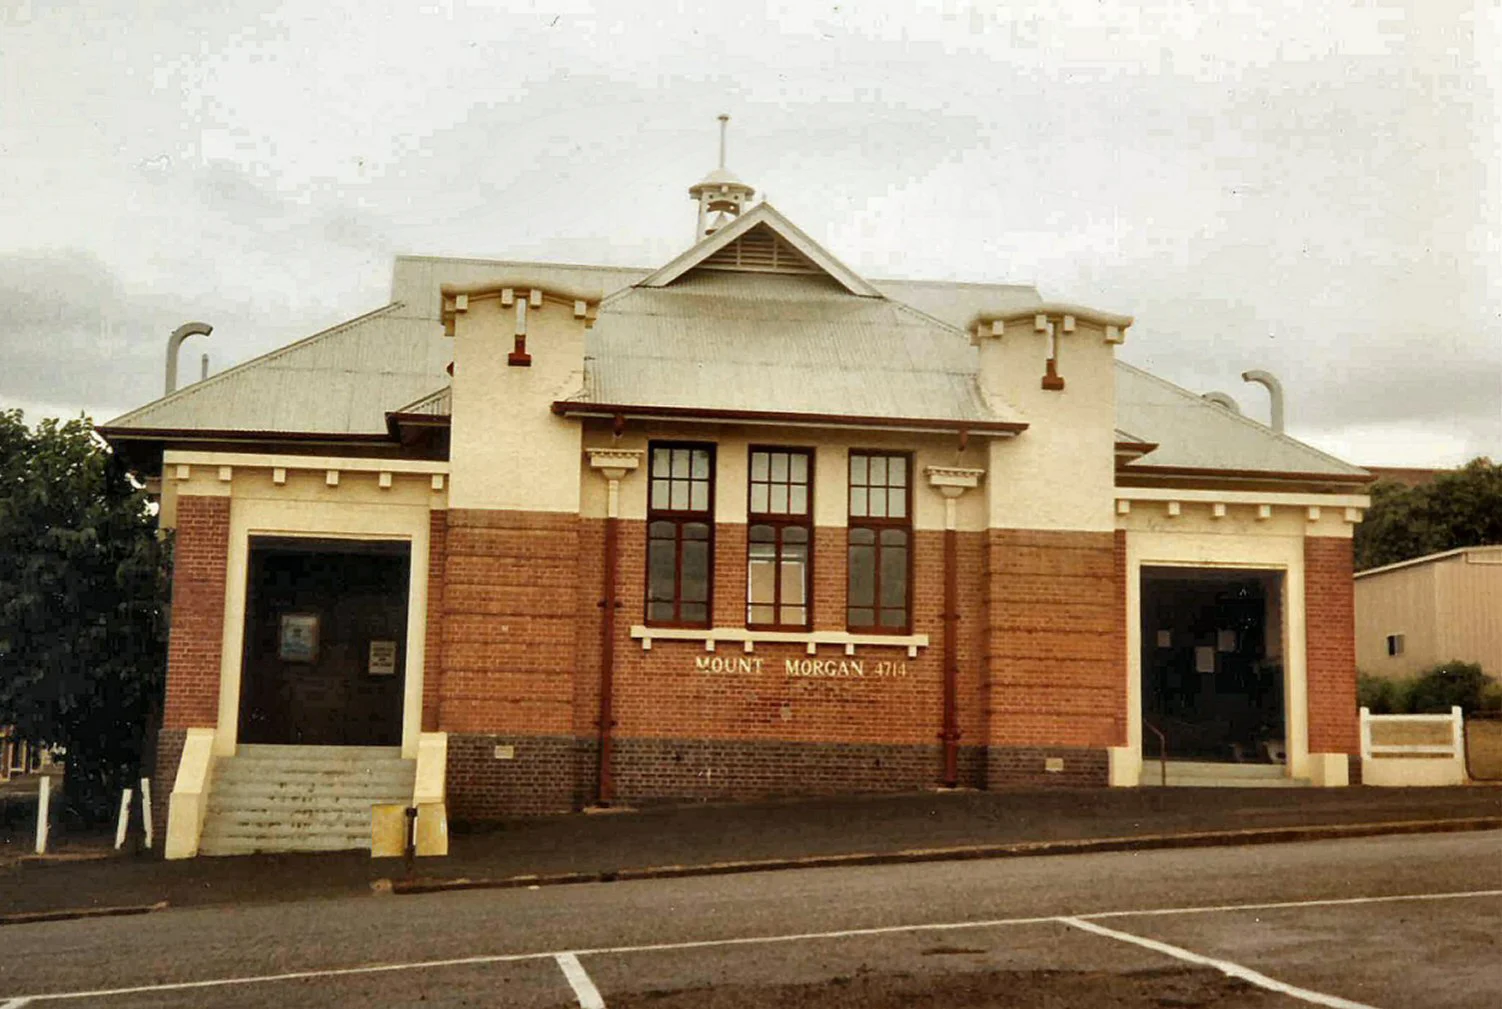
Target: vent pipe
{"points": [[1222, 399], [203, 367], [174, 342], [1274, 391]]}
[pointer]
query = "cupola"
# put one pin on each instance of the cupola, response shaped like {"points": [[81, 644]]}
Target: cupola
{"points": [[720, 195]]}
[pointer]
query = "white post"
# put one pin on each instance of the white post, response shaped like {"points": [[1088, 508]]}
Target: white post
{"points": [[1457, 732], [1366, 733], [146, 809], [44, 800], [123, 820]]}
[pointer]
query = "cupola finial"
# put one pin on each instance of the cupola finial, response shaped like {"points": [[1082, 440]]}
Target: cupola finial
{"points": [[720, 195]]}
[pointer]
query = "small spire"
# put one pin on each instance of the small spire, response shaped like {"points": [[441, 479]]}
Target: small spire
{"points": [[724, 123]]}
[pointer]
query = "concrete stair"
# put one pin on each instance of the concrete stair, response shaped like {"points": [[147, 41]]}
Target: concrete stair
{"points": [[1209, 774], [301, 798]]}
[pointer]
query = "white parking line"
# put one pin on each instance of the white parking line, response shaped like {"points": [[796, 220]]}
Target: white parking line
{"points": [[578, 979], [467, 961], [1224, 966]]}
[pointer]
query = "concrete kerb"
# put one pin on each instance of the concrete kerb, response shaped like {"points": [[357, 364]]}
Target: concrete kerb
{"points": [[1023, 849], [69, 914]]}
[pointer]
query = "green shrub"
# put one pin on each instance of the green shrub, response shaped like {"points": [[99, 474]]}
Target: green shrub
{"points": [[1382, 695], [1491, 696], [1436, 690]]}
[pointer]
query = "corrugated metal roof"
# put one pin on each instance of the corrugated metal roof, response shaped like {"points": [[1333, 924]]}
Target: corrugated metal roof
{"points": [[1193, 433], [782, 344], [339, 381], [713, 339]]}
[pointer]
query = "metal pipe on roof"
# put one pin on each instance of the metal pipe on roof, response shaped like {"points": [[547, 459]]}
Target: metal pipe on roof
{"points": [[174, 342], [1222, 399], [1274, 391], [203, 367]]}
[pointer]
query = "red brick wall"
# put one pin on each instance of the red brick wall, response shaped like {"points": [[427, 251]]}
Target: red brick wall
{"points": [[661, 694], [200, 554], [1330, 636], [509, 622], [432, 669], [1057, 647]]}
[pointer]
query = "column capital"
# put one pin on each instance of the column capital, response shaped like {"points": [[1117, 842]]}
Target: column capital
{"points": [[952, 481], [614, 463]]}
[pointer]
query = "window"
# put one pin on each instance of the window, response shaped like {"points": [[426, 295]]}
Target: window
{"points": [[880, 542], [680, 534], [1395, 644], [779, 538]]}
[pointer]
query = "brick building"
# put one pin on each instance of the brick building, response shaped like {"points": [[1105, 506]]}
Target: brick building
{"points": [[536, 536]]}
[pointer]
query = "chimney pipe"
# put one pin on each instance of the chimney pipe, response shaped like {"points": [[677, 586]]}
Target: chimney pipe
{"points": [[174, 342], [203, 367], [1274, 391]]}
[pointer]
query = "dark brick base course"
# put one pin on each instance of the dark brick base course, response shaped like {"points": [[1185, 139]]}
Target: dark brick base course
{"points": [[169, 752], [1354, 763], [540, 778], [556, 774], [1024, 767], [649, 770]]}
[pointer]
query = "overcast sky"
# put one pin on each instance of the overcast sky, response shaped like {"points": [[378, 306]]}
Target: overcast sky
{"points": [[1314, 189]]}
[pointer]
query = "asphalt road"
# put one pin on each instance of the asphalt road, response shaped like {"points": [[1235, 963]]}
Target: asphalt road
{"points": [[1389, 922]]}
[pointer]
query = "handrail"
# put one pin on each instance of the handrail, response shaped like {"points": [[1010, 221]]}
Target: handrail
{"points": [[1162, 750]]}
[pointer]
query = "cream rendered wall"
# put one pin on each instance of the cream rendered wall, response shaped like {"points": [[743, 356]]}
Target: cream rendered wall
{"points": [[356, 507], [1060, 473], [508, 450], [1195, 538], [831, 469], [1405, 601]]}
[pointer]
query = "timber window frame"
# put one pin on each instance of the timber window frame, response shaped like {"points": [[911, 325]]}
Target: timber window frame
{"points": [[779, 537], [879, 542], [680, 534]]}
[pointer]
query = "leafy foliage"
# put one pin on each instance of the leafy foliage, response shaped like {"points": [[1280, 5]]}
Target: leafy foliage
{"points": [[1434, 691], [82, 616], [1460, 508]]}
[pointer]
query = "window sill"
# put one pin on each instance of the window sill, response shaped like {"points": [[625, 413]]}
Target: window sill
{"points": [[749, 638]]}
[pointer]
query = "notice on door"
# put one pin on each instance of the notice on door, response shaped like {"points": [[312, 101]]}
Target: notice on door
{"points": [[382, 658]]}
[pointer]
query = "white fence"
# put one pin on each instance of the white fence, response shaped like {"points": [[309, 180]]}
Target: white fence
{"points": [[1398, 750]]}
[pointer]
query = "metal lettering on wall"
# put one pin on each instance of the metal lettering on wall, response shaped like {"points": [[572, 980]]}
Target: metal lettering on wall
{"points": [[860, 669]]}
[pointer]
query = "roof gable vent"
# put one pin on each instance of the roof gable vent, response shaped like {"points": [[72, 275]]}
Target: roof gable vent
{"points": [[760, 250]]}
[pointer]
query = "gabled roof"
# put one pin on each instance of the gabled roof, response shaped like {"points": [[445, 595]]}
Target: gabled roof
{"points": [[340, 381], [763, 215], [1193, 434]]}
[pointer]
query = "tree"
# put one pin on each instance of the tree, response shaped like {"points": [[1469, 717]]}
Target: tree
{"points": [[1460, 508], [82, 614]]}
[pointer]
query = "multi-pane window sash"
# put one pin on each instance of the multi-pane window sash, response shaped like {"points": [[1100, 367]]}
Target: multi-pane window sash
{"points": [[680, 534], [779, 538], [880, 536]]}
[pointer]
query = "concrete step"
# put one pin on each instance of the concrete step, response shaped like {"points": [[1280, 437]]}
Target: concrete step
{"points": [[272, 844], [352, 783], [308, 767], [301, 798], [272, 822], [1209, 774], [267, 751]]}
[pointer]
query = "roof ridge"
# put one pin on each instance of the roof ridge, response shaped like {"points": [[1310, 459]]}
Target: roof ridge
{"points": [[1242, 418], [1428, 558], [189, 391]]}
